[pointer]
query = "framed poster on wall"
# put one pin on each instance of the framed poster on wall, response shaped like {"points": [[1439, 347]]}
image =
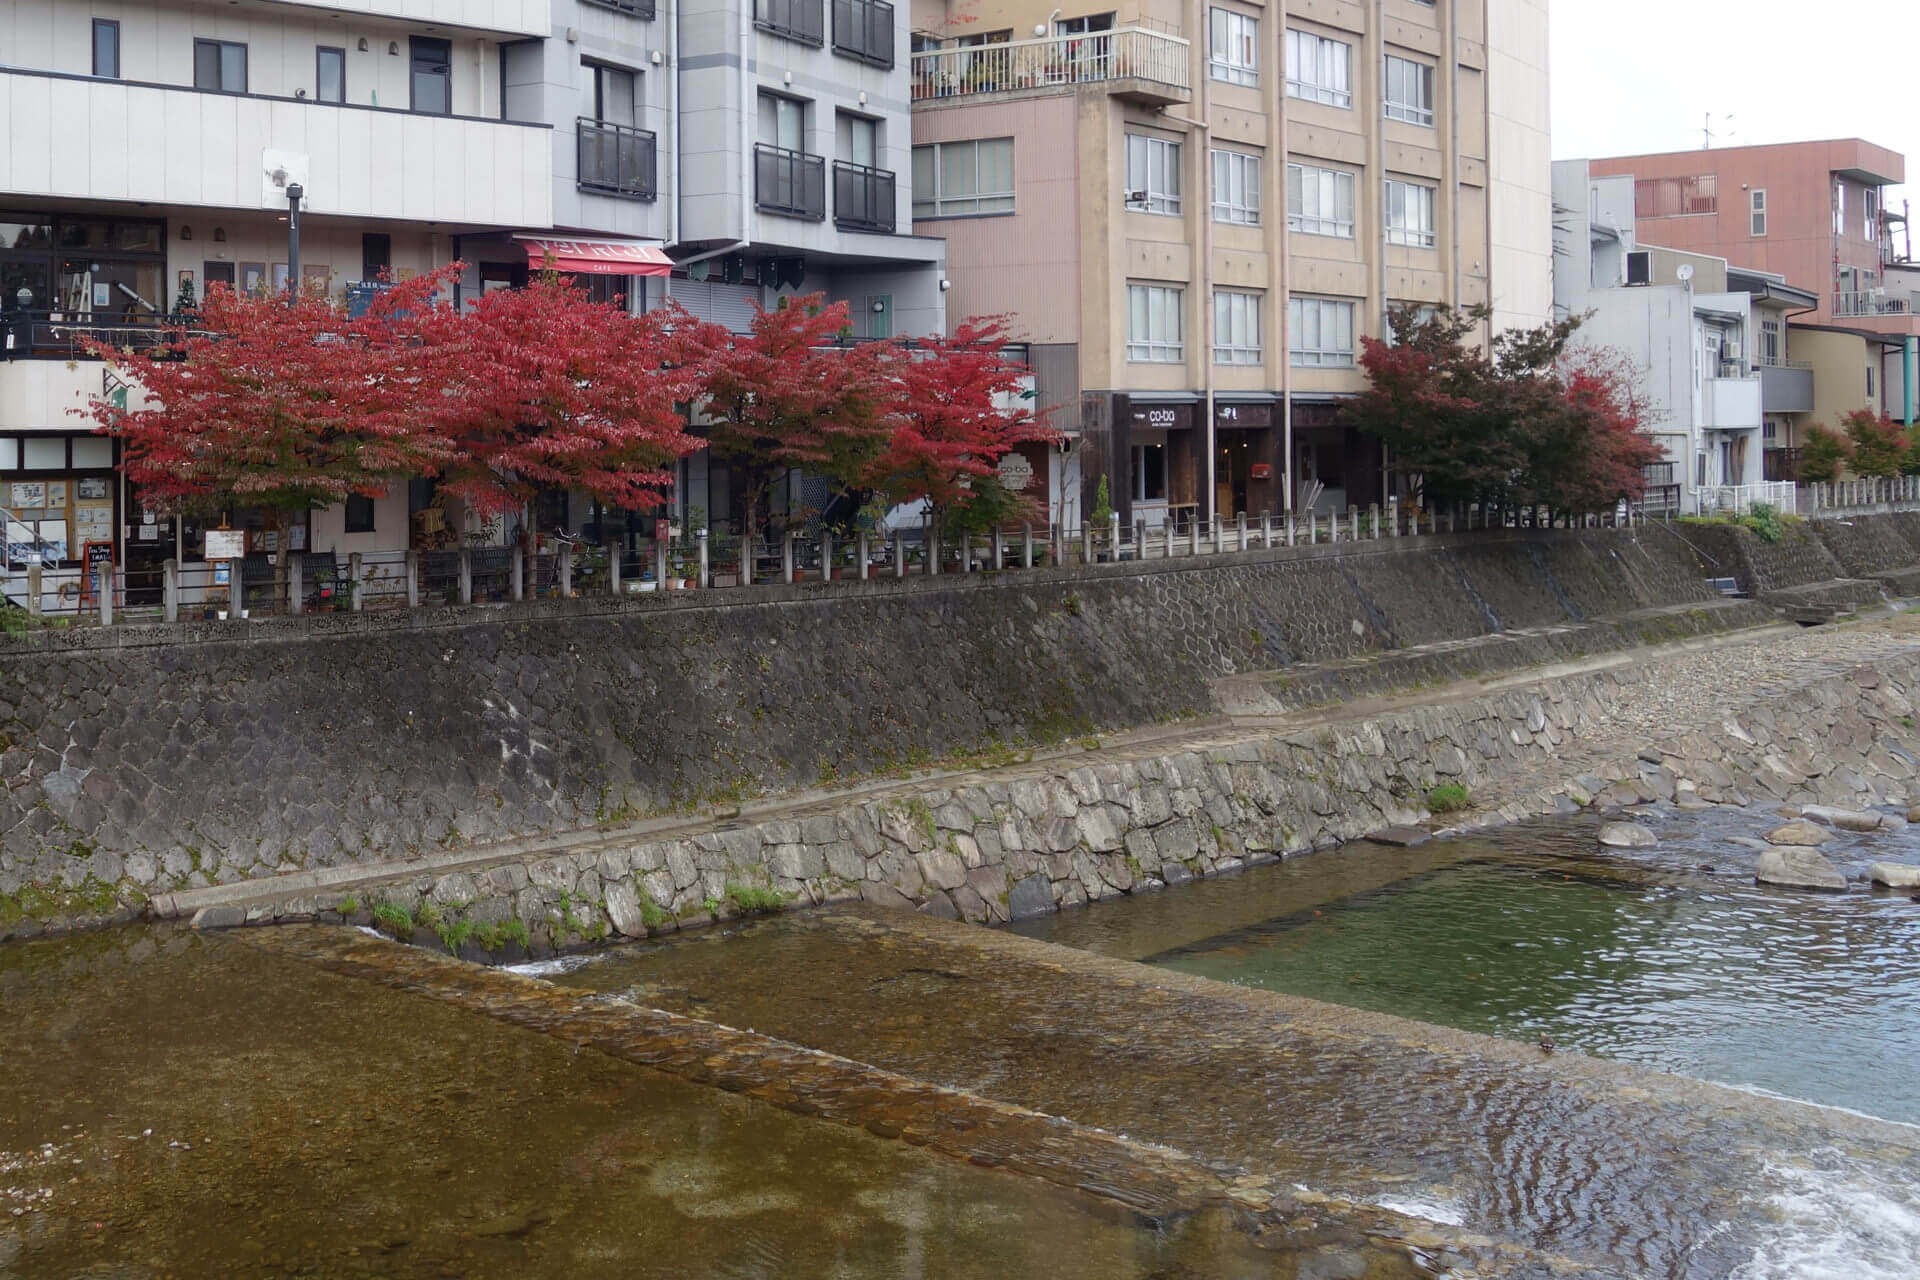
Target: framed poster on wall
{"points": [[56, 495], [93, 523], [96, 488], [22, 494]]}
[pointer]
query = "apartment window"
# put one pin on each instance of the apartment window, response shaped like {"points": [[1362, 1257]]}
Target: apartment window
{"points": [[615, 94], [1870, 201], [803, 20], [432, 69], [1409, 91], [1423, 314], [1769, 341], [1153, 323], [1085, 25], [330, 75], [1319, 201], [1236, 188], [106, 48], [1233, 47], [1320, 333], [1319, 69], [1409, 214], [359, 514], [1153, 174], [220, 66], [1236, 327], [1869, 382], [955, 179], [1676, 197], [1150, 473], [1839, 207], [1757, 212]]}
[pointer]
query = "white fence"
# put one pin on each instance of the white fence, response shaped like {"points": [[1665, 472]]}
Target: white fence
{"points": [[1740, 498]]}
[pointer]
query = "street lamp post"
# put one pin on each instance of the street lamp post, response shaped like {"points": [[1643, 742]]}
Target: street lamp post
{"points": [[294, 192]]}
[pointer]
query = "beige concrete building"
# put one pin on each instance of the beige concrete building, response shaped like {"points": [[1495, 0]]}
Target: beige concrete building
{"points": [[1196, 211]]}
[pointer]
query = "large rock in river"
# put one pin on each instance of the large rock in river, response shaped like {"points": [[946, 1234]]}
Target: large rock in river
{"points": [[1851, 819], [1626, 835], [1894, 875], [1793, 867], [1800, 832]]}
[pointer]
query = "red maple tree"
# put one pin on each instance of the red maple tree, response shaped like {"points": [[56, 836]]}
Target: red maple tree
{"points": [[1603, 421], [276, 404], [542, 387], [953, 412], [788, 394]]}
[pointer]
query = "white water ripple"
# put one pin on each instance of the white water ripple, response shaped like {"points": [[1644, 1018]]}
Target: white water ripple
{"points": [[1837, 1223]]}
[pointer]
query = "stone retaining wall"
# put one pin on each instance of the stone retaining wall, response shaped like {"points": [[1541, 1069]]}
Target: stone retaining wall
{"points": [[1044, 838], [140, 760]]}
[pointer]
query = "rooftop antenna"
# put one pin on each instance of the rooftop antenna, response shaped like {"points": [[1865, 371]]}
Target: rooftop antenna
{"points": [[1707, 135]]}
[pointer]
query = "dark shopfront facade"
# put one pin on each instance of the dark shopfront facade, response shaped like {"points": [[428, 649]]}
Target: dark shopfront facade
{"points": [[91, 269]]}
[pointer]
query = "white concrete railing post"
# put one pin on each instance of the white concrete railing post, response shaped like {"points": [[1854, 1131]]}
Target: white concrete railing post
{"points": [[998, 549], [1291, 517], [613, 568], [1193, 535], [899, 556], [465, 559], [786, 557], [1218, 529], [356, 583], [1353, 514], [826, 556], [1373, 520], [1086, 542], [34, 605], [746, 558], [659, 564], [565, 559], [170, 590], [862, 553], [1333, 525], [1026, 546], [296, 585], [1240, 531], [411, 567], [933, 551], [1113, 537], [1266, 530], [106, 597]]}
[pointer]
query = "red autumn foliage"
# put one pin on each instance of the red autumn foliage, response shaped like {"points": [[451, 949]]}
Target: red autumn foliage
{"points": [[952, 419], [543, 388], [785, 395], [275, 405], [1607, 416]]}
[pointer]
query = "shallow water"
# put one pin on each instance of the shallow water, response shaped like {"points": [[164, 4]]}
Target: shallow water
{"points": [[180, 1106], [1641, 956]]}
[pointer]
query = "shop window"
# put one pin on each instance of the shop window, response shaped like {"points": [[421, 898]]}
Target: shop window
{"points": [[359, 514], [1150, 473]]}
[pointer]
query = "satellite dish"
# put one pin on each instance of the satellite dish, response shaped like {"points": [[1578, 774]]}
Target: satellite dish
{"points": [[1685, 272]]}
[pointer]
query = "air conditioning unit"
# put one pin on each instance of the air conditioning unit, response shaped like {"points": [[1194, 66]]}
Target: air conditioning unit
{"points": [[1730, 349]]}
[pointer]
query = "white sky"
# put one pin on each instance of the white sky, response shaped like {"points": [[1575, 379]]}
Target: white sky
{"points": [[1632, 76]]}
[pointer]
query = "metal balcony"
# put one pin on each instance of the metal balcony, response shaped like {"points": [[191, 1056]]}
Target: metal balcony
{"points": [[792, 183], [802, 20], [1148, 66], [1872, 302], [863, 29], [615, 160], [862, 197]]}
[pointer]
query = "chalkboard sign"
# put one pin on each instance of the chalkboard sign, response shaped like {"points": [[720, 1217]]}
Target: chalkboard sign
{"points": [[98, 557]]}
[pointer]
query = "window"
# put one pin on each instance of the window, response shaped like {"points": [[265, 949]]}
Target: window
{"points": [[802, 20], [1236, 188], [106, 48], [1153, 174], [958, 178], [432, 67], [1409, 91], [1320, 333], [1676, 197], [1085, 25], [1409, 214], [1769, 341], [614, 94], [1319, 69], [1839, 207], [1757, 212], [783, 122], [330, 75], [1869, 382], [219, 66], [359, 514], [1153, 323], [1236, 327], [1233, 48], [1150, 473], [1870, 200], [1423, 313], [1772, 431], [1319, 201]]}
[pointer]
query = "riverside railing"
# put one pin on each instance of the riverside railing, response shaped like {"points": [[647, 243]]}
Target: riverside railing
{"points": [[479, 577]]}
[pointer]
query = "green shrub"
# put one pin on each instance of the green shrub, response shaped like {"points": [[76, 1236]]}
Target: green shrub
{"points": [[753, 899], [1764, 522], [1447, 797], [395, 917]]}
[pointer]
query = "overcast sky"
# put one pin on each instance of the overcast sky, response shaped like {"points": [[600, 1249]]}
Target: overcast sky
{"points": [[1632, 76]]}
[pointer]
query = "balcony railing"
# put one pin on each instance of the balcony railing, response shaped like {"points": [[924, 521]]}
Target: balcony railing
{"points": [[616, 160], [789, 182], [862, 197], [63, 335], [802, 20], [1872, 302], [638, 8], [863, 29], [1130, 53]]}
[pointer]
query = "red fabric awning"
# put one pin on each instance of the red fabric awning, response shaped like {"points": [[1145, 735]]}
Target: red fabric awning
{"points": [[597, 257]]}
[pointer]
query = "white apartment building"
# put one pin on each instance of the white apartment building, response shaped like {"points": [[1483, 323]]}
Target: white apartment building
{"points": [[1690, 336], [720, 153]]}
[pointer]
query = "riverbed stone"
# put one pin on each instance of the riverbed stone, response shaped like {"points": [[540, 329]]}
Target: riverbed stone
{"points": [[1798, 867], [1799, 832], [1627, 835], [1895, 875], [1850, 819], [623, 909], [1031, 896]]}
